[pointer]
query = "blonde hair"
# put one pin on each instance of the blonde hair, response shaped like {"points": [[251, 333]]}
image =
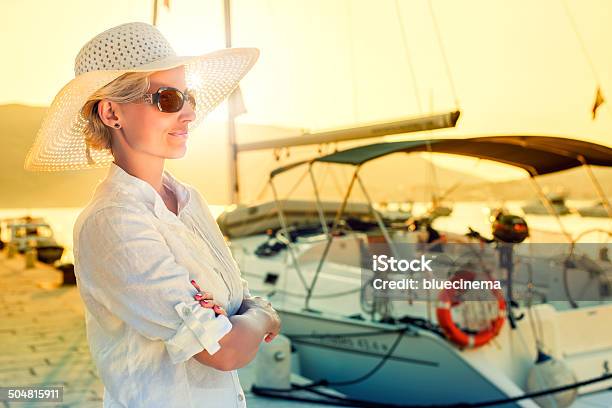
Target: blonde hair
{"points": [[129, 87]]}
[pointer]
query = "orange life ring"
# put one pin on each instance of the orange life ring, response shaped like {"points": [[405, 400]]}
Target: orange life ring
{"points": [[447, 299]]}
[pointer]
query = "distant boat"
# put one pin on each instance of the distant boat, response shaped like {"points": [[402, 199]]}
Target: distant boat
{"points": [[28, 232], [595, 210], [557, 202], [256, 219], [49, 254], [250, 220], [441, 211]]}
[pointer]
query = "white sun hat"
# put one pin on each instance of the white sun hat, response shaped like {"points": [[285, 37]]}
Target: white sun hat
{"points": [[133, 47]]}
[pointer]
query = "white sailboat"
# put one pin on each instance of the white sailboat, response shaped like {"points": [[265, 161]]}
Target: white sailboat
{"points": [[396, 352], [400, 351]]}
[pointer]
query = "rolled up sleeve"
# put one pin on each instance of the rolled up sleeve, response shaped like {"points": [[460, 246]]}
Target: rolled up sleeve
{"points": [[246, 293], [127, 265], [200, 330]]}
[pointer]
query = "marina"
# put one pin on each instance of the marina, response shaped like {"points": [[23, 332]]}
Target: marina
{"points": [[416, 194], [33, 290]]}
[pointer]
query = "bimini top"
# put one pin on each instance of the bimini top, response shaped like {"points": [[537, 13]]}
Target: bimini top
{"points": [[536, 154]]}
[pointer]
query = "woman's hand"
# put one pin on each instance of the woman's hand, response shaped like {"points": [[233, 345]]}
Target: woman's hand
{"points": [[206, 300], [257, 302]]}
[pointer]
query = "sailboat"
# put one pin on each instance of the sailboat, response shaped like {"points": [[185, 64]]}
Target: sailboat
{"points": [[379, 351], [598, 209], [394, 351], [556, 199]]}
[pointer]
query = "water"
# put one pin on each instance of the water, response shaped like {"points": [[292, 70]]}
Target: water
{"points": [[62, 221], [472, 214]]}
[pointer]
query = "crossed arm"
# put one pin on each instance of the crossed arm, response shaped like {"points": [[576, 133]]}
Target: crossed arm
{"points": [[239, 346], [134, 274]]}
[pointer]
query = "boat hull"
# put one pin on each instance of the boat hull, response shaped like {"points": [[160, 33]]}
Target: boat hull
{"points": [[421, 369], [49, 254]]}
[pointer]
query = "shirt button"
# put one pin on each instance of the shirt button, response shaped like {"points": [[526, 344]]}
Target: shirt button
{"points": [[240, 397]]}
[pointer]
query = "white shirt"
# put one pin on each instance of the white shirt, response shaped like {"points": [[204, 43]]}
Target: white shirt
{"points": [[134, 260]]}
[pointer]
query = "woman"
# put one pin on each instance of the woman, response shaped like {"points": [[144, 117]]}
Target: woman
{"points": [[146, 242]]}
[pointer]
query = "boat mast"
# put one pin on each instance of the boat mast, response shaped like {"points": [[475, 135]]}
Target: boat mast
{"points": [[154, 12], [232, 112]]}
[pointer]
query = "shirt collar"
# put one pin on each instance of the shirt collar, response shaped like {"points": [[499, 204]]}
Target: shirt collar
{"points": [[146, 193]]}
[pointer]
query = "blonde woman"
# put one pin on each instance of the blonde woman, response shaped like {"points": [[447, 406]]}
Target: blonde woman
{"points": [[169, 318]]}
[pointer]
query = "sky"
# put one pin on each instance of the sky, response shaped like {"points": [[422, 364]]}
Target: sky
{"points": [[509, 66]]}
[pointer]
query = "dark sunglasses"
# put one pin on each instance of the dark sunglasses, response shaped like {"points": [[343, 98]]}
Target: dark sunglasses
{"points": [[170, 99]]}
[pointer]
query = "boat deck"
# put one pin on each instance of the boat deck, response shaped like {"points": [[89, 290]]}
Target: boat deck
{"points": [[43, 339]]}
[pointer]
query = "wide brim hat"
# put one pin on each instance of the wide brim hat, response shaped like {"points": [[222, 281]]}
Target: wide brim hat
{"points": [[133, 47]]}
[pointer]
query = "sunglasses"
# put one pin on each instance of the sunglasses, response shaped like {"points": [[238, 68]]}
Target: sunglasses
{"points": [[170, 100]]}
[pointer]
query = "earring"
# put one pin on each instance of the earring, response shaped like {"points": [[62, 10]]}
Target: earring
{"points": [[117, 126]]}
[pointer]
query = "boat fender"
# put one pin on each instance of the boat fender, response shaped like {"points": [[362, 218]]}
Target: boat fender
{"points": [[273, 364], [547, 373]]}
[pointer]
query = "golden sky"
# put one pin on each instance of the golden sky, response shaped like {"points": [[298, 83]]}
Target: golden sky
{"points": [[516, 66]]}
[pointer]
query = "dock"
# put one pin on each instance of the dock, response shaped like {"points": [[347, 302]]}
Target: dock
{"points": [[44, 343]]}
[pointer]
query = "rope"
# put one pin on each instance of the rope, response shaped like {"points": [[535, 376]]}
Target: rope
{"points": [[296, 185], [408, 58], [352, 59], [580, 41], [533, 315], [377, 367], [343, 401], [443, 52], [583, 47]]}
